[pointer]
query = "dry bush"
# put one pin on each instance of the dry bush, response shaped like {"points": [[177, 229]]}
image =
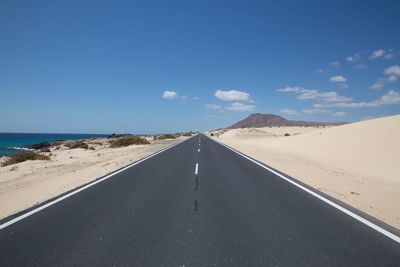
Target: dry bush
{"points": [[76, 144], [165, 136], [128, 140], [24, 156]]}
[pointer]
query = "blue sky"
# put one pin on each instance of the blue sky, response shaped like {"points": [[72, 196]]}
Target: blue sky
{"points": [[166, 66]]}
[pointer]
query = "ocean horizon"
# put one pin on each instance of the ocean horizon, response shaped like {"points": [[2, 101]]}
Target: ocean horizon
{"points": [[11, 143]]}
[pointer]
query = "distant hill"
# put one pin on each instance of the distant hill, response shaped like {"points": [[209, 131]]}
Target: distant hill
{"points": [[266, 120]]}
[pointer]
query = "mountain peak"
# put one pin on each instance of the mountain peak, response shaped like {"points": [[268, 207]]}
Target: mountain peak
{"points": [[266, 120]]}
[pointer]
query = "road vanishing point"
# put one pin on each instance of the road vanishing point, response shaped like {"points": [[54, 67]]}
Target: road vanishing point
{"points": [[197, 203]]}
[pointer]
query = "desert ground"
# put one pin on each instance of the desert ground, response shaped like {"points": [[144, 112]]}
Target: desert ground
{"points": [[29, 183], [357, 163]]}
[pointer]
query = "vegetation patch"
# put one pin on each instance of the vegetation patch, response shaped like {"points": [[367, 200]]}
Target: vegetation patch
{"points": [[128, 140], [24, 156], [118, 135], [184, 134], [76, 144], [165, 136]]}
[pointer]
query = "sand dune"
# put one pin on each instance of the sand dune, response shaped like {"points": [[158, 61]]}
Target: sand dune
{"points": [[28, 183], [248, 133], [358, 163]]}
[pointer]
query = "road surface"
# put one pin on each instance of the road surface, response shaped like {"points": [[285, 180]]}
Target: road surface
{"points": [[196, 204]]}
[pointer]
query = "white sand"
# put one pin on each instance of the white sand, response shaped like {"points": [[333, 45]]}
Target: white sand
{"points": [[28, 183], [358, 163]]}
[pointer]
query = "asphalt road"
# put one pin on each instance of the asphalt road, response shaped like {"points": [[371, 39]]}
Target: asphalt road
{"points": [[160, 213]]}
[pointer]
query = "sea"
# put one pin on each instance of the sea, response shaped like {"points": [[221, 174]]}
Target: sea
{"points": [[11, 143]]}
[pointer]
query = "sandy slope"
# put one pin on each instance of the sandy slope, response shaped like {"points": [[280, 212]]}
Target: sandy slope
{"points": [[28, 183], [358, 163]]}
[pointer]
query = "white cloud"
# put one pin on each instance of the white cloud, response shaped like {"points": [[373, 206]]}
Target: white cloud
{"points": [[335, 64], [324, 96], [378, 84], [392, 78], [338, 79], [348, 105], [319, 71], [240, 107], [232, 95], [315, 111], [288, 111], [356, 57], [376, 54], [393, 70], [340, 113], [391, 98], [212, 106], [334, 97], [311, 94], [294, 89], [196, 98], [308, 94], [170, 94], [389, 56], [393, 73]]}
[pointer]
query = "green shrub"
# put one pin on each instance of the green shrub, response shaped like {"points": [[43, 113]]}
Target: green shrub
{"points": [[187, 134], [165, 136], [24, 156], [76, 144], [128, 140]]}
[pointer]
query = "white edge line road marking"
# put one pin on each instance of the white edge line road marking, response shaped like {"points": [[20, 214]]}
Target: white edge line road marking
{"points": [[327, 201], [25, 215], [196, 169]]}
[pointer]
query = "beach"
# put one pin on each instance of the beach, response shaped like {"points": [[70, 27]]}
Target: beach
{"points": [[32, 182], [11, 143], [357, 163]]}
